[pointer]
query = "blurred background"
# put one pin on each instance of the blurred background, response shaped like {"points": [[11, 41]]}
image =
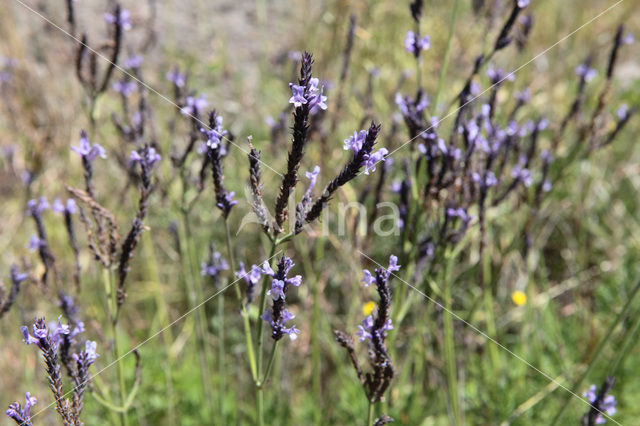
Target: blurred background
{"points": [[241, 55]]}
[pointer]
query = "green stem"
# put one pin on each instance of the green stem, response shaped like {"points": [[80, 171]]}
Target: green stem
{"points": [[488, 306], [221, 353], [449, 344], [272, 356], [370, 413], [112, 303], [161, 304], [629, 341], [597, 353], [244, 313], [195, 293], [447, 54], [260, 339]]}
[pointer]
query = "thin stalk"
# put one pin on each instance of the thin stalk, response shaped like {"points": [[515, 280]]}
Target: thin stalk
{"points": [[111, 294], [272, 356], [195, 293], [488, 306], [221, 352], [629, 341], [260, 339], [597, 353], [370, 413], [161, 304], [447, 54], [245, 314], [449, 343]]}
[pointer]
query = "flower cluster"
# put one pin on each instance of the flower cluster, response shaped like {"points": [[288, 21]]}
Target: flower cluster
{"points": [[121, 18], [215, 151], [601, 403], [87, 151], [194, 106], [215, 265], [361, 144], [280, 285], [414, 44], [355, 144], [19, 414], [69, 207], [374, 330], [251, 278], [309, 95]]}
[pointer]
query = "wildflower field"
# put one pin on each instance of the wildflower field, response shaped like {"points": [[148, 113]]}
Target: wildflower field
{"points": [[319, 212]]}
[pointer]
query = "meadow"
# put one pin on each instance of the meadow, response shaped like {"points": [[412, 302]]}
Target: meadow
{"points": [[319, 212]]}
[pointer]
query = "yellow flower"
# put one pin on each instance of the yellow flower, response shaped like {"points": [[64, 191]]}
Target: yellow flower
{"points": [[519, 298], [367, 308]]}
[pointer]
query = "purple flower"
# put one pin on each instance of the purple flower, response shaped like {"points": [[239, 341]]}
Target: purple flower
{"points": [[315, 97], [252, 277], [292, 331], [194, 105], [124, 19], [89, 354], [215, 134], [34, 243], [585, 72], [366, 329], [147, 157], [298, 98], [228, 201], [21, 415], [176, 77], [524, 96], [623, 112], [368, 278], [70, 207], [58, 330], [87, 151], [459, 213], [124, 87], [496, 75], [216, 264], [393, 264], [375, 158], [490, 180], [414, 45], [608, 404], [313, 177], [628, 39], [522, 174], [354, 143], [16, 276], [133, 62], [40, 334], [523, 3], [546, 186], [279, 287], [36, 207]]}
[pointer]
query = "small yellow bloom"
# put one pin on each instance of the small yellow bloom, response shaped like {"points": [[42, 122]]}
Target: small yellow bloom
{"points": [[519, 298], [367, 308]]}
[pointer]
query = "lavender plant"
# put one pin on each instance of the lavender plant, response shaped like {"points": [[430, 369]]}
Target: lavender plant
{"points": [[49, 340], [374, 331]]}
